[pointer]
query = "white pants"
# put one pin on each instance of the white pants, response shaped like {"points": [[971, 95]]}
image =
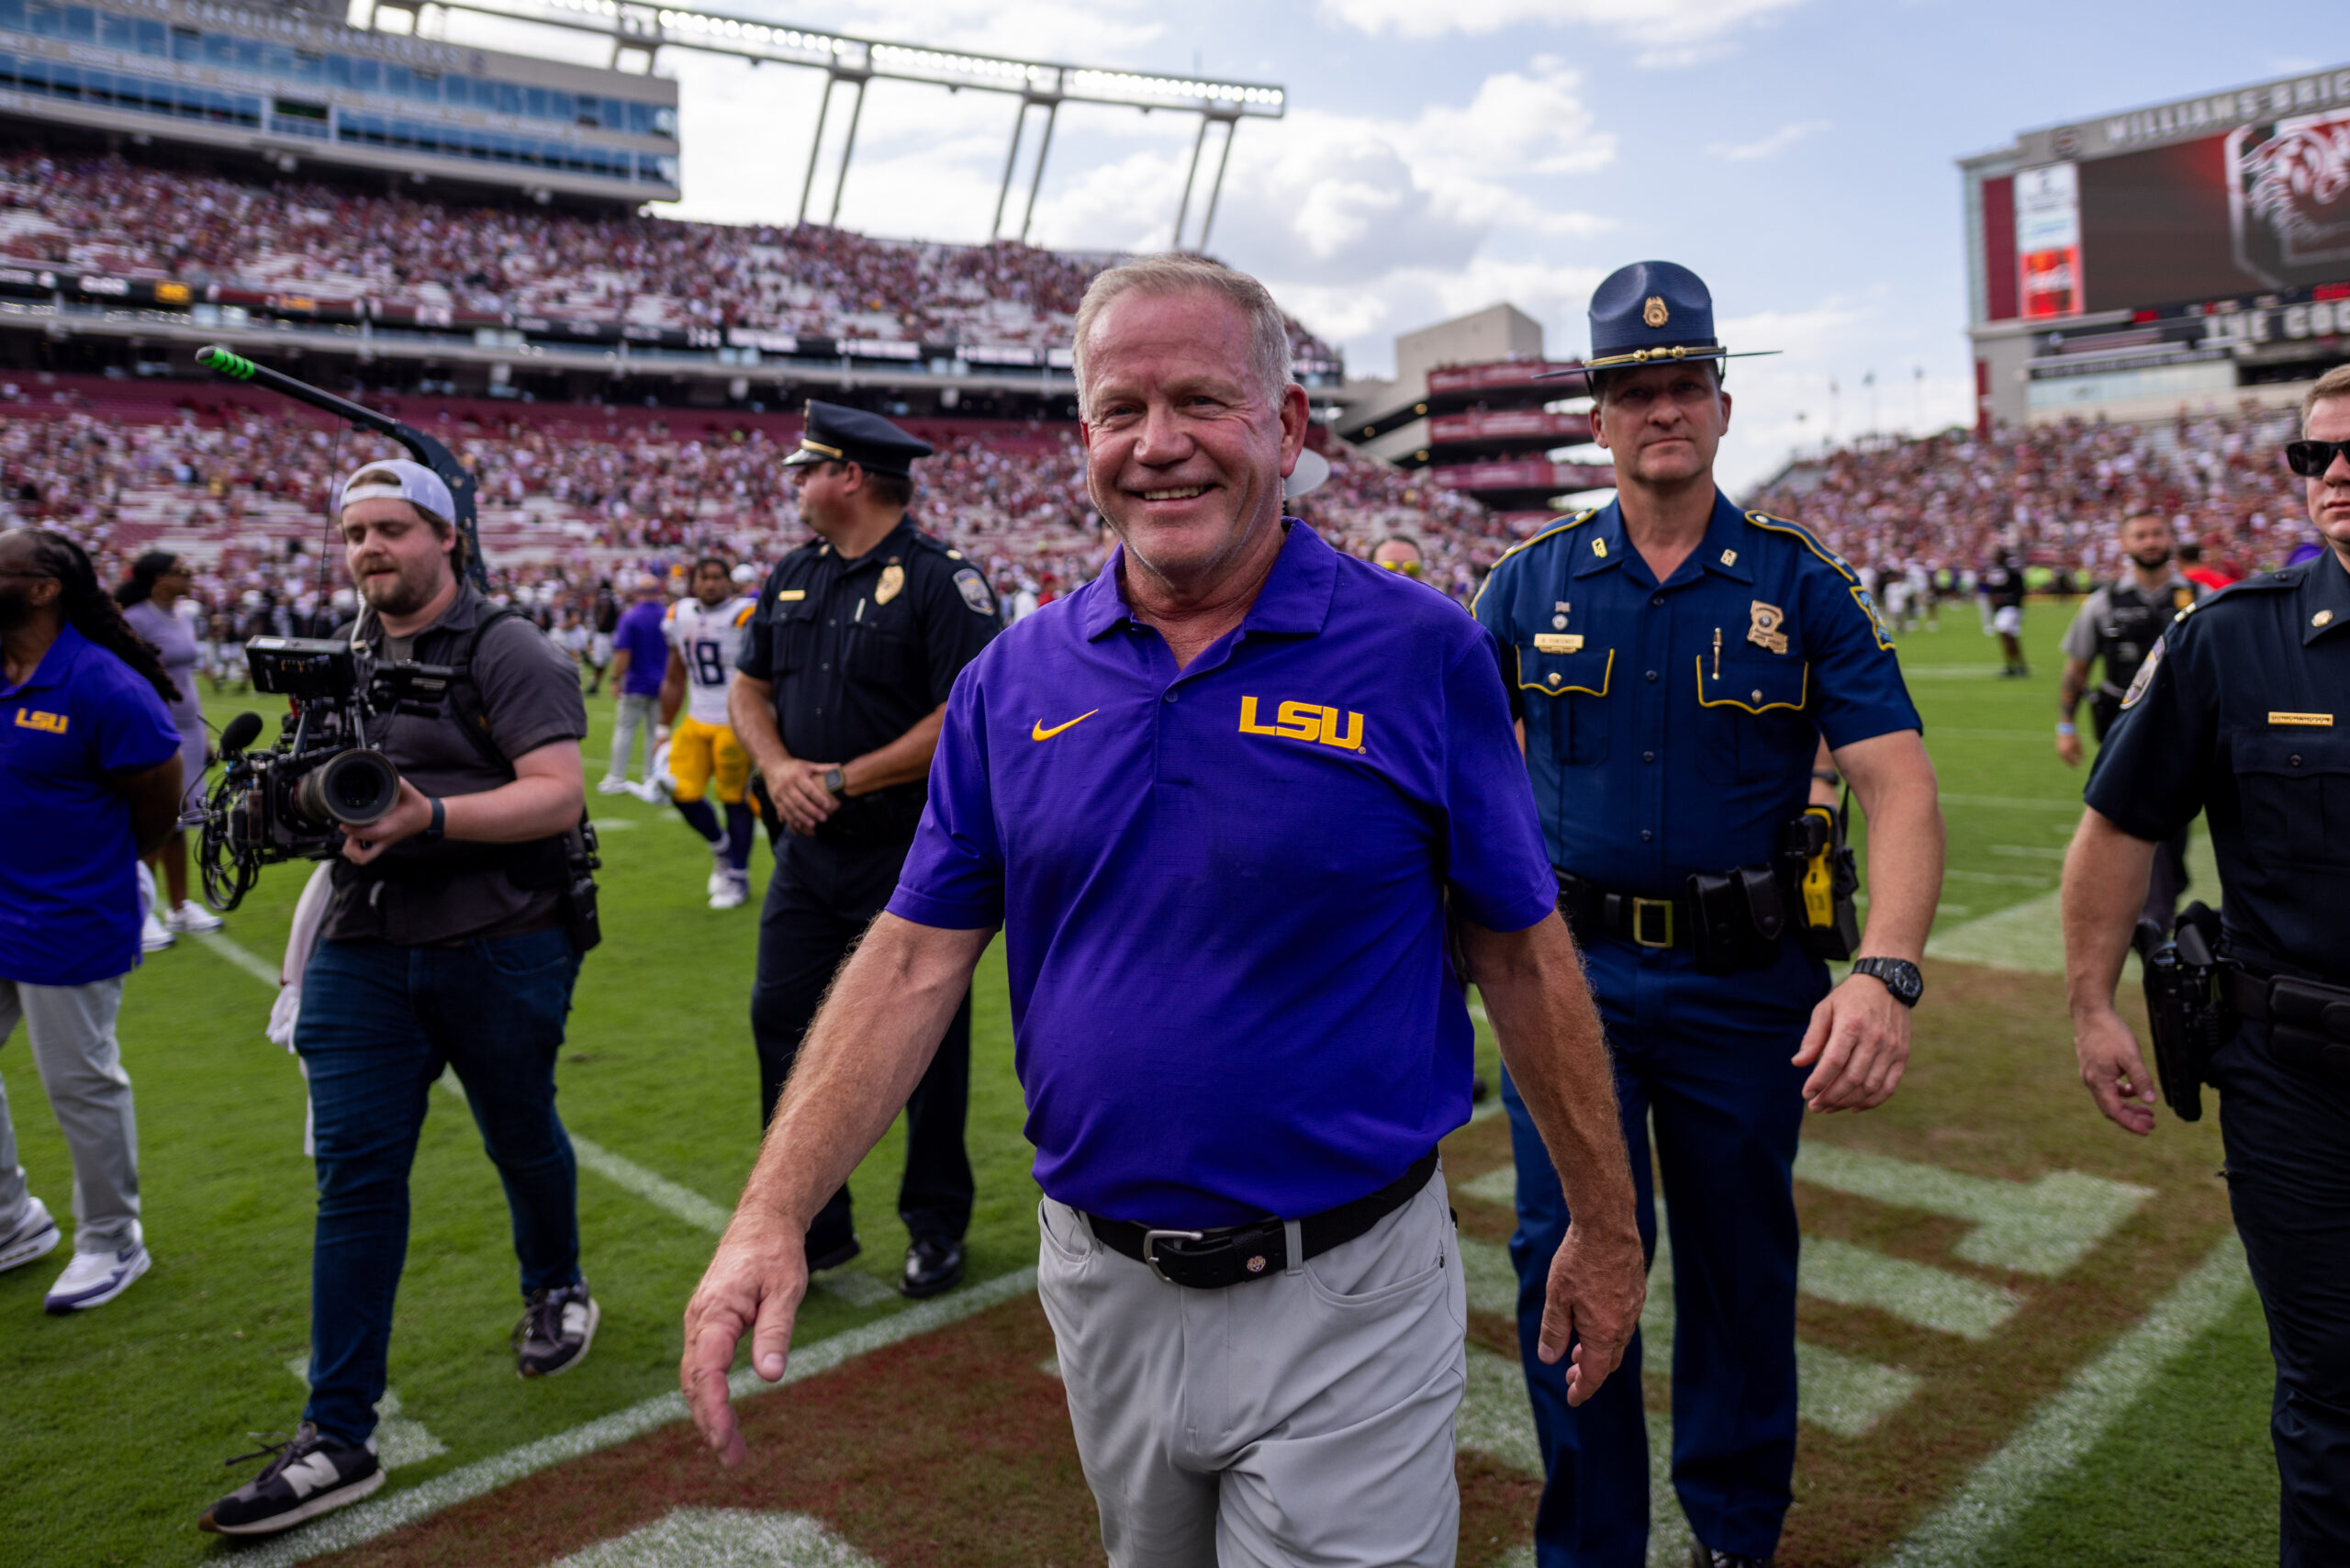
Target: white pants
{"points": [[72, 1030], [1303, 1418]]}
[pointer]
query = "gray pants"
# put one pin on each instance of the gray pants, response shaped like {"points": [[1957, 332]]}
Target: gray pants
{"points": [[635, 714], [1303, 1418], [71, 1029]]}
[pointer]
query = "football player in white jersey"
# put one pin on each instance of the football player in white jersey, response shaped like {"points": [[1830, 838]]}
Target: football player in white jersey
{"points": [[705, 632]]}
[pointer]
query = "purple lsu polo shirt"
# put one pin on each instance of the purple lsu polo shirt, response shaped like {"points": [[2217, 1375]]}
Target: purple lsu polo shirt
{"points": [[1221, 889]]}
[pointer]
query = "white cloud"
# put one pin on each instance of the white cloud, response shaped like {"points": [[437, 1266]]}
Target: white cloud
{"points": [[1778, 141], [1666, 32]]}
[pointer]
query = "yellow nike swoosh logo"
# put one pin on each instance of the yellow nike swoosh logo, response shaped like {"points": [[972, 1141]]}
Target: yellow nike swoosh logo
{"points": [[1037, 730]]}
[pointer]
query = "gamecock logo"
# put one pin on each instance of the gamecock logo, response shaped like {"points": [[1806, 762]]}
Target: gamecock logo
{"points": [[2292, 195]]}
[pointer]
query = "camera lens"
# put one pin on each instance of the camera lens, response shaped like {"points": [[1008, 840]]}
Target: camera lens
{"points": [[352, 788]]}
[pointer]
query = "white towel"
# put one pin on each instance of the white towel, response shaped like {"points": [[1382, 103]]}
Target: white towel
{"points": [[309, 914]]}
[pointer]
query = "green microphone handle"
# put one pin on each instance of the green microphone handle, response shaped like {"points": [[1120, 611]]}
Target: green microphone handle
{"points": [[233, 366]]}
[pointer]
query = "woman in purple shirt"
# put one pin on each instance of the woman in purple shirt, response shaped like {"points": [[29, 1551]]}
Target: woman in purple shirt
{"points": [[159, 580]]}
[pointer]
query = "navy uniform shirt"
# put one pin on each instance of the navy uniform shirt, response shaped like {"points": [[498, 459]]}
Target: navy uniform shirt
{"points": [[1671, 728], [859, 652], [2243, 712]]}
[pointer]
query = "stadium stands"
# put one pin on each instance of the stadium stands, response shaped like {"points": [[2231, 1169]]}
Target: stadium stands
{"points": [[107, 215], [2056, 491]]}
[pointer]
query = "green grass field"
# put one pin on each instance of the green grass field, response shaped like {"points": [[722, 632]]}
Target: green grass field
{"points": [[115, 1422]]}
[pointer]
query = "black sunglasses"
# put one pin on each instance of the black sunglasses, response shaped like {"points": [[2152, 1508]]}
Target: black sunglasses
{"points": [[2312, 458]]}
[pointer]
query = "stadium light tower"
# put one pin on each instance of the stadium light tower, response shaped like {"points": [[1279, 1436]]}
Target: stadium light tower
{"points": [[643, 30]]}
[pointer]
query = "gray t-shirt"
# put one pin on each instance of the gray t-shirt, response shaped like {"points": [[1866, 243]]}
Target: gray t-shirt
{"points": [[175, 646], [439, 893]]}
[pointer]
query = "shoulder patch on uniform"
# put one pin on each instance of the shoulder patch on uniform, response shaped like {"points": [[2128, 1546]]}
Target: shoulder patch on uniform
{"points": [[1867, 601], [974, 590], [2146, 671], [1809, 540], [1527, 544]]}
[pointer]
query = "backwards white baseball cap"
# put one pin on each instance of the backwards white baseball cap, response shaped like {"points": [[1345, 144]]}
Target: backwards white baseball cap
{"points": [[417, 485]]}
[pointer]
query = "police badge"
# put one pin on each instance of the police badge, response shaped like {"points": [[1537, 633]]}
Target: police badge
{"points": [[1764, 632], [893, 577]]}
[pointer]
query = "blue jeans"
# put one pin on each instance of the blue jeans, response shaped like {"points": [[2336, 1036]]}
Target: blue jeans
{"points": [[378, 1023]]}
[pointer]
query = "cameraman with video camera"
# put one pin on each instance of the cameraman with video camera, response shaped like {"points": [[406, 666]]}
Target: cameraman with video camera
{"points": [[452, 940]]}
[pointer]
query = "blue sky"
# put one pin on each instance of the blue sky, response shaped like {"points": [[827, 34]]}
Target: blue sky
{"points": [[1440, 155]]}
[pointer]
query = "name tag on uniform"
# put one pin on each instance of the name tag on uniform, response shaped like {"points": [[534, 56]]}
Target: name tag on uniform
{"points": [[1555, 643], [2315, 721], [787, 595]]}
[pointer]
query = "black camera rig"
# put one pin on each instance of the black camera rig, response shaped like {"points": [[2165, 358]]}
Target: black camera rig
{"points": [[294, 801]]}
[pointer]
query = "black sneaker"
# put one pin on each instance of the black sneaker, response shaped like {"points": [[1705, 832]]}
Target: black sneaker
{"points": [[311, 1473], [934, 1266], [555, 1330]]}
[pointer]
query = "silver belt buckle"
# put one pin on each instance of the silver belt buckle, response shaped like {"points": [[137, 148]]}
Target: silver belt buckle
{"points": [[1150, 1239]]}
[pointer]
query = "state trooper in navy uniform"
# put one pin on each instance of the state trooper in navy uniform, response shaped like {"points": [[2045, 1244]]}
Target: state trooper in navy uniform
{"points": [[838, 695], [2242, 712], [1679, 663]]}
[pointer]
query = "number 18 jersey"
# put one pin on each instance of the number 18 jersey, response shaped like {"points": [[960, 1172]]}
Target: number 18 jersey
{"points": [[707, 641]]}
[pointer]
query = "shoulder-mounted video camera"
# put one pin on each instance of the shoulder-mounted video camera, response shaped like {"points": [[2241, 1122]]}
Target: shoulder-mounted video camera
{"points": [[294, 801]]}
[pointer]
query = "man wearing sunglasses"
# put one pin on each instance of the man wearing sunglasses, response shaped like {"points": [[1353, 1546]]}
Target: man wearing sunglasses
{"points": [[2242, 712]]}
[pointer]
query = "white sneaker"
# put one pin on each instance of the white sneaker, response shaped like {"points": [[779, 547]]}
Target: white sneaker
{"points": [[193, 919], [93, 1279], [612, 784], [733, 895], [721, 873], [35, 1238], [155, 936]]}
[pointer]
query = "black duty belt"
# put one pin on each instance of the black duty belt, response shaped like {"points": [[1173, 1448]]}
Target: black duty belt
{"points": [[2309, 1022], [1591, 910], [1211, 1259]]}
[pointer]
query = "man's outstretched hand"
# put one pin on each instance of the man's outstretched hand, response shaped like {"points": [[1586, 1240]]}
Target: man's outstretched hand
{"points": [[754, 1283], [1596, 1290]]}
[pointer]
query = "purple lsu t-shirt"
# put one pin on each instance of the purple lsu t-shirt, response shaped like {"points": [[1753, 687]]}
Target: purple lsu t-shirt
{"points": [[1221, 889], [648, 650], [69, 889]]}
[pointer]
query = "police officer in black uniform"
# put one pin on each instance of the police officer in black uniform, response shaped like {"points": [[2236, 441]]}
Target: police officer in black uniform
{"points": [[840, 690], [2116, 626], [2243, 711]]}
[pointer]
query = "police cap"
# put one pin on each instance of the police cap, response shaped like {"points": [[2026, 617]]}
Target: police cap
{"points": [[1653, 313], [834, 434]]}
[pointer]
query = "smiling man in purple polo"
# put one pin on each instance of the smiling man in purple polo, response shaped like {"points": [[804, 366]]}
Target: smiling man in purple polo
{"points": [[1219, 801]]}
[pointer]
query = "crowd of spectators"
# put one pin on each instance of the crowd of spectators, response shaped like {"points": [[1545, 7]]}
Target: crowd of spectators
{"points": [[332, 241], [568, 501], [2052, 494], [573, 498]]}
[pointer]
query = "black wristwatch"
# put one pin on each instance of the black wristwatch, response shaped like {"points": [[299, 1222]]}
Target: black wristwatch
{"points": [[1899, 975], [439, 822], [835, 782]]}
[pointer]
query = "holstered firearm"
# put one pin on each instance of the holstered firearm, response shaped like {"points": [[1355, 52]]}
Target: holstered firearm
{"points": [[2185, 1012], [1821, 865]]}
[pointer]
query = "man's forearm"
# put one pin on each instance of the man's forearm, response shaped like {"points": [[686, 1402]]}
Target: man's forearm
{"points": [[750, 713], [1895, 781], [2105, 872], [2069, 687], [859, 1061], [1552, 1042], [902, 761]]}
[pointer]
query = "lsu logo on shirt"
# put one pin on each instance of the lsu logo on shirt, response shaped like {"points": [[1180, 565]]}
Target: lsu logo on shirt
{"points": [[1304, 721], [29, 720]]}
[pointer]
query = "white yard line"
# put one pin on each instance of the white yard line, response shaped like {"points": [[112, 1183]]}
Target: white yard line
{"points": [[723, 1537], [385, 1513], [2069, 1425], [242, 957]]}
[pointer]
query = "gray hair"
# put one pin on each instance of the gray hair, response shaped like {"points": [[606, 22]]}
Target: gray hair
{"points": [[1268, 328]]}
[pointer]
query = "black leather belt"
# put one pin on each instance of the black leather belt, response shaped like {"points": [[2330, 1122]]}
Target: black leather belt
{"points": [[1591, 910], [1211, 1259]]}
